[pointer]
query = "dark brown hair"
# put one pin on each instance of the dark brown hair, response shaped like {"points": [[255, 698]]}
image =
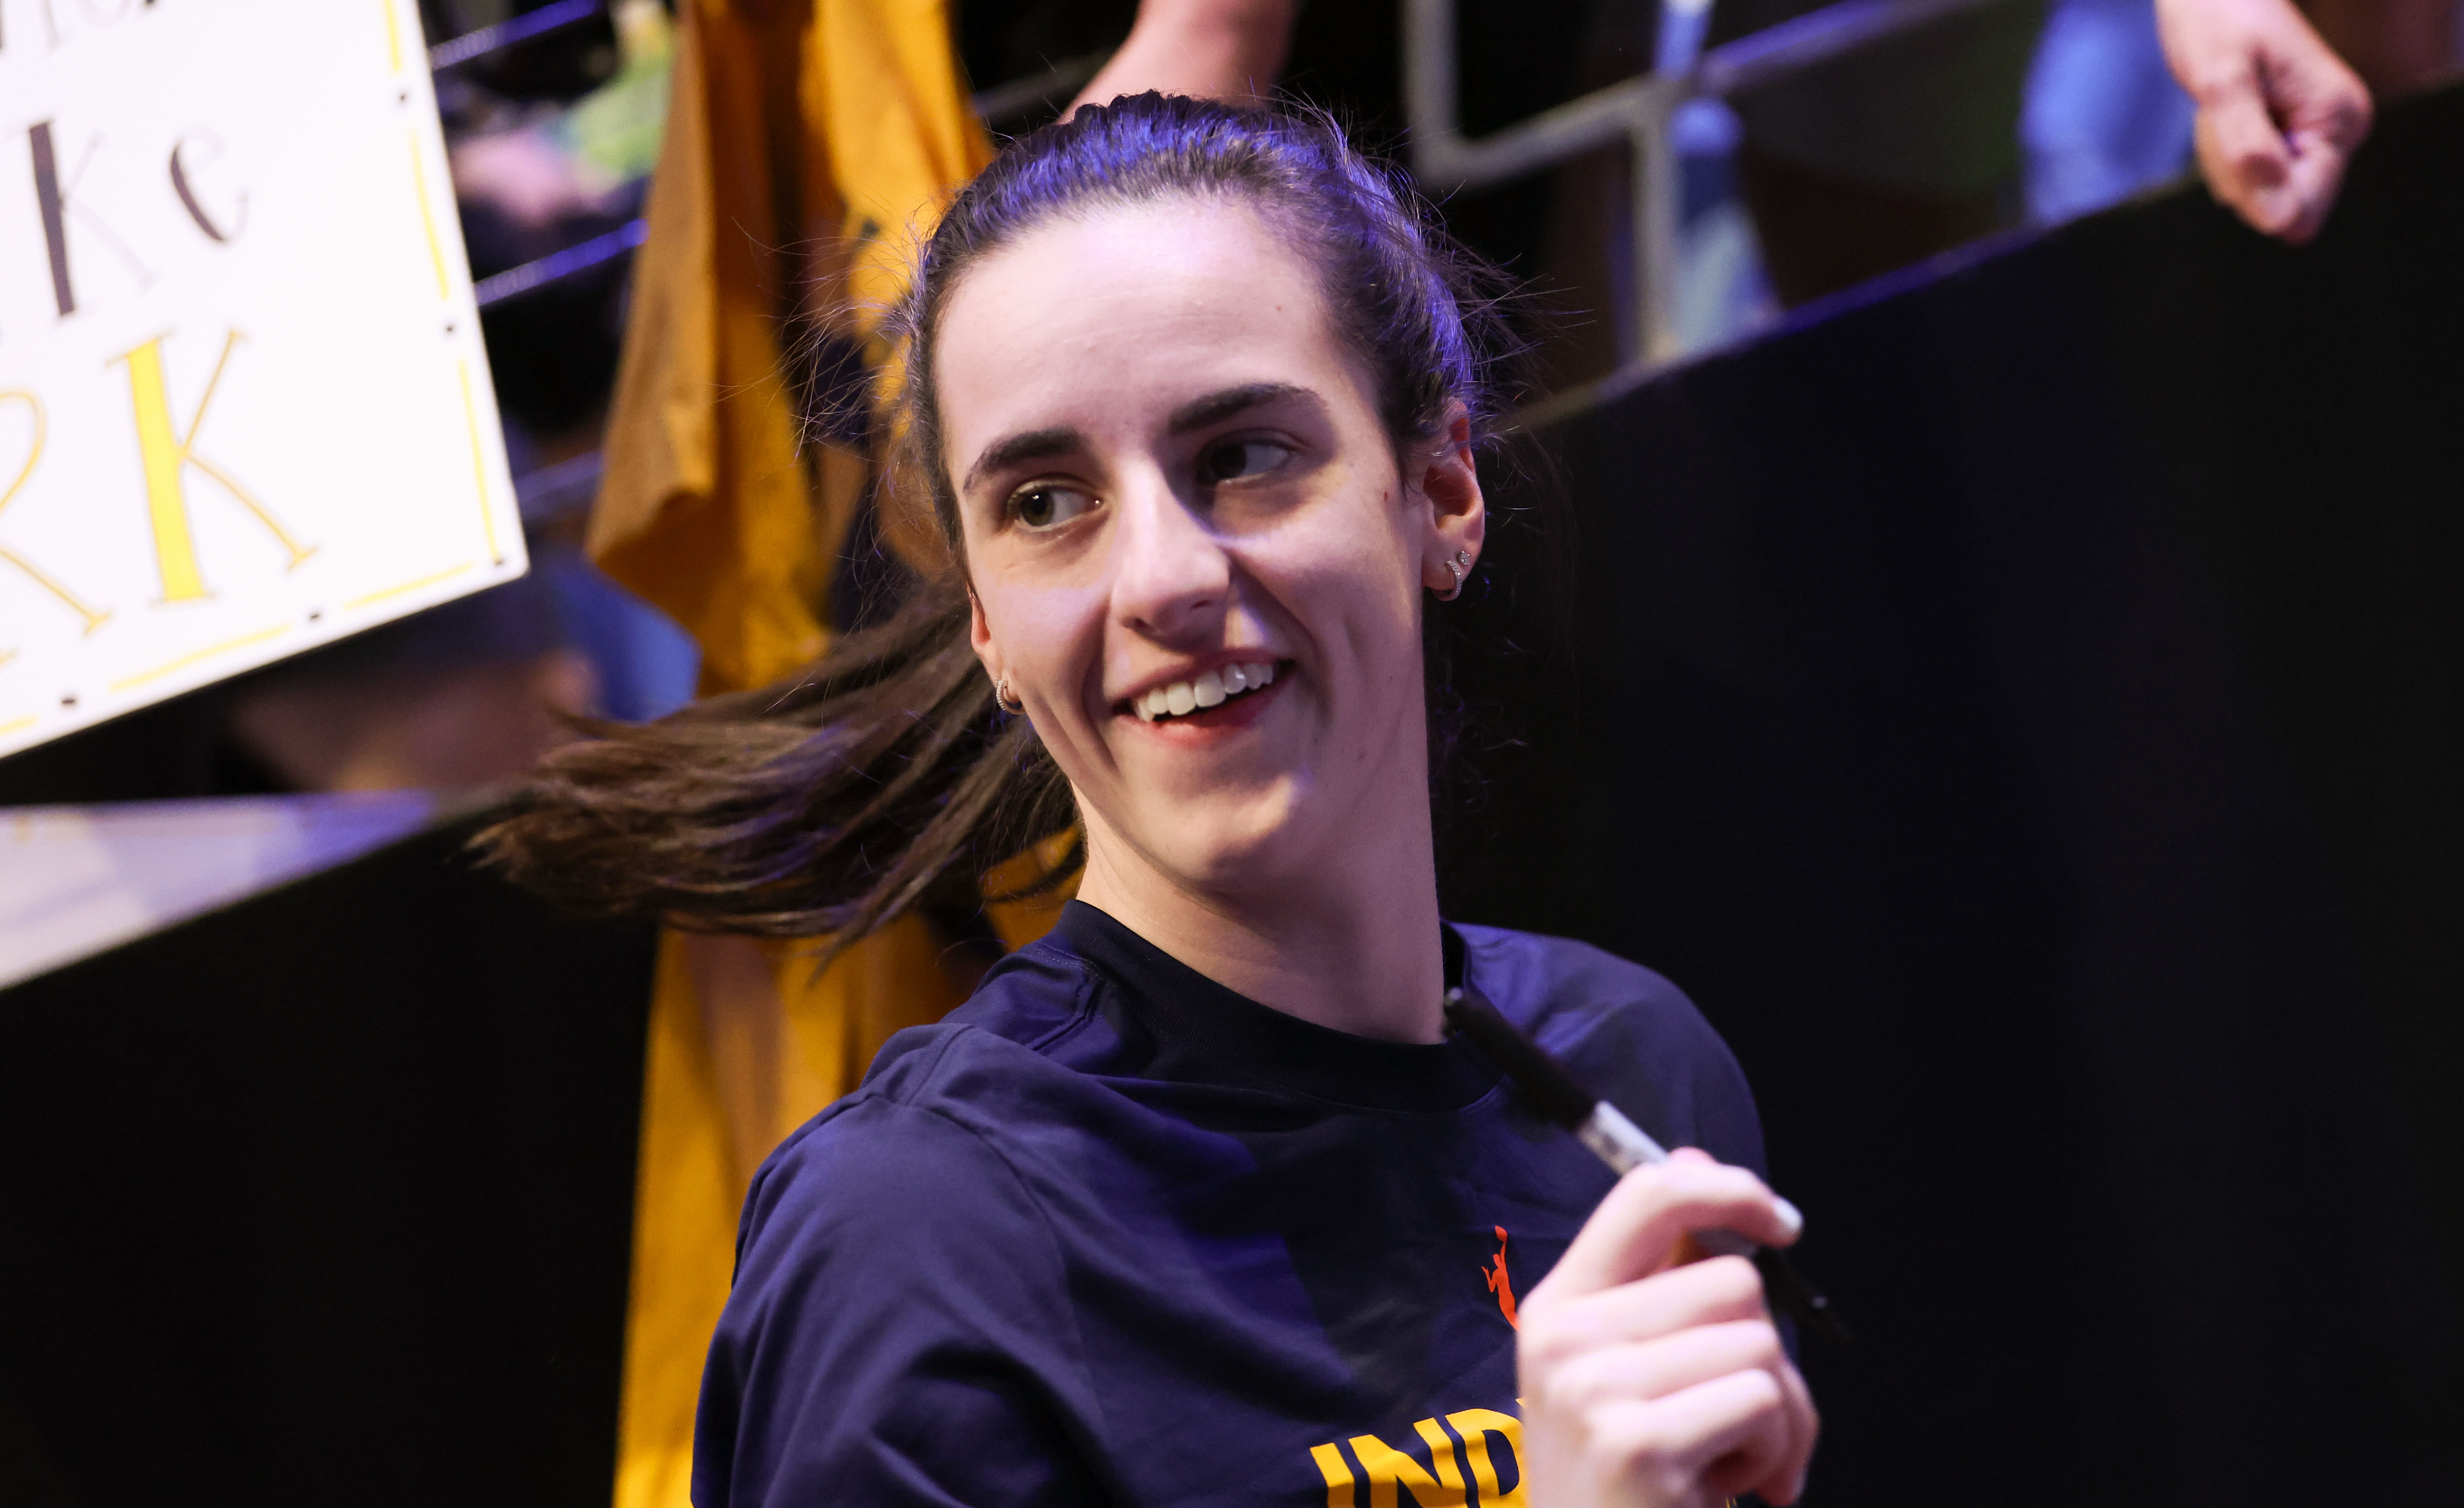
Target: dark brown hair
{"points": [[836, 800]]}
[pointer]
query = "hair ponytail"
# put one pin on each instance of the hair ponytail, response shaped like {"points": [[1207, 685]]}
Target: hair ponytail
{"points": [[830, 804]]}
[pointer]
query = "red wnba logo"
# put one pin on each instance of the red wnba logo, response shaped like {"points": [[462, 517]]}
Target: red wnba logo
{"points": [[1499, 1283]]}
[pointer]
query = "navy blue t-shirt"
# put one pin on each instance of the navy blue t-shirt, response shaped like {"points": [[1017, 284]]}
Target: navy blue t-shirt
{"points": [[1112, 1232]]}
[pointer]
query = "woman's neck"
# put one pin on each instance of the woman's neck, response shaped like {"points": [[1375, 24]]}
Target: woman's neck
{"points": [[1353, 947]]}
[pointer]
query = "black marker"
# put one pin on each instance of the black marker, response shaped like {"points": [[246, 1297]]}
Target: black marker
{"points": [[1624, 1146]]}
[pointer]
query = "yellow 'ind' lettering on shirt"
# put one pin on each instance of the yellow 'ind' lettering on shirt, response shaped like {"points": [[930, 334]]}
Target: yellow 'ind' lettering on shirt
{"points": [[1476, 1425], [1395, 1476], [1331, 1466]]}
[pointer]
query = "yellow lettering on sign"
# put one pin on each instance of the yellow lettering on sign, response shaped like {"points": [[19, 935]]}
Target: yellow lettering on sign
{"points": [[1476, 1425], [166, 458], [1389, 1470], [93, 617]]}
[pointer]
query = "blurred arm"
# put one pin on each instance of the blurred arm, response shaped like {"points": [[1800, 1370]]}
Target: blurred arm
{"points": [[1228, 50], [2280, 113]]}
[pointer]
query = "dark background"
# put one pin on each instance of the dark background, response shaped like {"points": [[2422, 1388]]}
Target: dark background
{"points": [[2024, 705], [325, 1198], [2020, 701]]}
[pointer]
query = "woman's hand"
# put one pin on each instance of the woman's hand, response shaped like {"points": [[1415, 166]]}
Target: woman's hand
{"points": [[2280, 113], [1648, 1382]]}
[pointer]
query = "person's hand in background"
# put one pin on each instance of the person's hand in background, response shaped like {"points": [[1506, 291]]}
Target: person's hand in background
{"points": [[1227, 50], [2280, 113]]}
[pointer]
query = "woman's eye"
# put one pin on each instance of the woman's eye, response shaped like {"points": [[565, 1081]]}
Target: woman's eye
{"points": [[1237, 458], [1043, 507]]}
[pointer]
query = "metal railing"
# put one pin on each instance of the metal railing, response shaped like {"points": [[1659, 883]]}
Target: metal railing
{"points": [[559, 489], [572, 261], [995, 106], [1638, 111], [522, 27]]}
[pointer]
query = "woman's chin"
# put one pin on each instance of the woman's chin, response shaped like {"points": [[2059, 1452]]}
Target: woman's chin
{"points": [[1225, 840]]}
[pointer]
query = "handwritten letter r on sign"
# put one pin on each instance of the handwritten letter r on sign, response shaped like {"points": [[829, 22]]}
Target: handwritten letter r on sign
{"points": [[244, 407]]}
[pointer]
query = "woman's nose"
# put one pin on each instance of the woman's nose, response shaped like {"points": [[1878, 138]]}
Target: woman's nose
{"points": [[1171, 577]]}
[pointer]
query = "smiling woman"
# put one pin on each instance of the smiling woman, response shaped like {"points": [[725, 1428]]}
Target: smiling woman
{"points": [[1194, 1201]]}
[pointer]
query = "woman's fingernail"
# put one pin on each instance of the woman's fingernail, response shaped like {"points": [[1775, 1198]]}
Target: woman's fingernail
{"points": [[1789, 1216]]}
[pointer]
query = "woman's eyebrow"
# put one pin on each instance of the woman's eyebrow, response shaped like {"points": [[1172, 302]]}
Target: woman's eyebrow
{"points": [[1027, 445], [1217, 407]]}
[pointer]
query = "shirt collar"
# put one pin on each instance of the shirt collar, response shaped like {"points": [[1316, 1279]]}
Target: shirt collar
{"points": [[1183, 1006]]}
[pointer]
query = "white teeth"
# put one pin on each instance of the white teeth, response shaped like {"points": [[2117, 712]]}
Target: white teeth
{"points": [[1209, 689]]}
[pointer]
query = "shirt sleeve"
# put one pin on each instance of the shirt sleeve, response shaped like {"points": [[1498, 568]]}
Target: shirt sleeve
{"points": [[900, 1332], [1728, 1125], [1633, 1037]]}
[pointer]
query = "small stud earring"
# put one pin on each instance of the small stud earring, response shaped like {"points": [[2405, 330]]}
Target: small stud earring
{"points": [[1459, 564], [1005, 698]]}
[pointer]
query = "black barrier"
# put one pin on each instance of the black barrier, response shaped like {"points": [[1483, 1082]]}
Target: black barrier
{"points": [[2025, 706], [324, 1198]]}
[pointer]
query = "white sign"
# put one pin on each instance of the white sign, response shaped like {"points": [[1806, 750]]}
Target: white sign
{"points": [[244, 407]]}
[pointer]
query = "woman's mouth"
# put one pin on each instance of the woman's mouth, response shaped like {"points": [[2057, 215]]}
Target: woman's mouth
{"points": [[1204, 692]]}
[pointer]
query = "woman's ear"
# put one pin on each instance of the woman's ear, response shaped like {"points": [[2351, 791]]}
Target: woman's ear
{"points": [[1455, 525], [980, 637]]}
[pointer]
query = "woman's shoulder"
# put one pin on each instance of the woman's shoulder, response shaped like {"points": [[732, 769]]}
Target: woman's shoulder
{"points": [[942, 1093], [941, 1102], [918, 1159], [890, 1248], [1559, 986], [1624, 1030]]}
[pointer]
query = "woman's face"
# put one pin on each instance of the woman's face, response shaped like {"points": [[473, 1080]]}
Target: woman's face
{"points": [[1195, 554]]}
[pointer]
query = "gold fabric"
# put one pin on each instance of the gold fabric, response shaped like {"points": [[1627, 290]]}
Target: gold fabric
{"points": [[808, 141]]}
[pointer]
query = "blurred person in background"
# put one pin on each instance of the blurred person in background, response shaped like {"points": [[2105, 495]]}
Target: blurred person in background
{"points": [[1907, 147], [2284, 98], [1995, 116]]}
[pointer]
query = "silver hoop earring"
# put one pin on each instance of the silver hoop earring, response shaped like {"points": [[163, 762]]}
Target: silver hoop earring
{"points": [[1460, 564], [1005, 698]]}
